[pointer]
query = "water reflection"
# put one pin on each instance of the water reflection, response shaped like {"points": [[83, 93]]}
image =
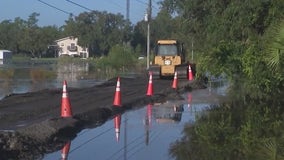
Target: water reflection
{"points": [[189, 99], [72, 71], [168, 112], [65, 151], [145, 133], [148, 121], [238, 129], [135, 135], [31, 77], [117, 122], [6, 76]]}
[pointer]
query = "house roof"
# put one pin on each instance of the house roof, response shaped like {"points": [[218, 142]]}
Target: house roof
{"points": [[4, 50], [62, 39]]}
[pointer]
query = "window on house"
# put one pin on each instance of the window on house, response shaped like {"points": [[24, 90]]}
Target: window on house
{"points": [[72, 47]]}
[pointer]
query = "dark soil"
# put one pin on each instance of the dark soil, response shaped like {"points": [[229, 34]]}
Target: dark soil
{"points": [[31, 124]]}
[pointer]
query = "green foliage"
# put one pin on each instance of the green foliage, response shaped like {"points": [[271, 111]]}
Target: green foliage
{"points": [[99, 30], [234, 130], [275, 47], [263, 62], [26, 37], [244, 40], [241, 39], [120, 58], [224, 58]]}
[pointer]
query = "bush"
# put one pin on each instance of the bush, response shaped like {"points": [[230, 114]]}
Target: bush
{"points": [[119, 58]]}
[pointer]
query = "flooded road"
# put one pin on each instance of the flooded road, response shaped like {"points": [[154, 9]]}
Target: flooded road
{"points": [[145, 133]]}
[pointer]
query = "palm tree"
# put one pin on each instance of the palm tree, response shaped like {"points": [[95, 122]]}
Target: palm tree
{"points": [[270, 150], [275, 48]]}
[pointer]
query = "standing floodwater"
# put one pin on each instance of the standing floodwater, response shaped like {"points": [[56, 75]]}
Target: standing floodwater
{"points": [[22, 78], [145, 133]]}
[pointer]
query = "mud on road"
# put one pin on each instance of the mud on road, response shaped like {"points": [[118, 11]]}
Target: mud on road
{"points": [[31, 125]]}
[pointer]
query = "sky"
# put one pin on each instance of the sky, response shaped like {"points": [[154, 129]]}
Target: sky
{"points": [[10, 9]]}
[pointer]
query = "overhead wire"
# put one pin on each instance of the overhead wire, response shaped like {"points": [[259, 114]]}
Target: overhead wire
{"points": [[153, 7], [117, 4], [77, 4], [54, 7], [135, 144], [142, 2], [91, 139], [124, 8], [128, 144]]}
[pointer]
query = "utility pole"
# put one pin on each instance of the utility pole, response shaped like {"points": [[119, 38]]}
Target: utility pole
{"points": [[127, 9], [148, 19]]}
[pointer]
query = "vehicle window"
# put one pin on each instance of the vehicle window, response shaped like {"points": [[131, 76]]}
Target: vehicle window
{"points": [[167, 50]]}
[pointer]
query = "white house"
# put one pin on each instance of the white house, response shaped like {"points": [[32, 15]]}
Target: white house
{"points": [[5, 56], [69, 46]]}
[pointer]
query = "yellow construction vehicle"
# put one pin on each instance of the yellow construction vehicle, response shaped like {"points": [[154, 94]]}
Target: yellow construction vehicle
{"points": [[169, 57]]}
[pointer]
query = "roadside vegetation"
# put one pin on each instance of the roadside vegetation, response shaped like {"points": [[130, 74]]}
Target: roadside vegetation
{"points": [[245, 42]]}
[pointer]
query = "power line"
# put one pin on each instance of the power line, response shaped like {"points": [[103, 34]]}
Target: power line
{"points": [[69, 13], [117, 4], [79, 5], [92, 138], [142, 2]]}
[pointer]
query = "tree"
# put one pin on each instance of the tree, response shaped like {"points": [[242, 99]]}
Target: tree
{"points": [[30, 41], [47, 35], [139, 36], [99, 30], [275, 47], [229, 30]]}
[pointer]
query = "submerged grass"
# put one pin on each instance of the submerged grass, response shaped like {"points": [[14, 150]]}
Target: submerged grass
{"points": [[120, 61], [6, 73], [41, 74]]}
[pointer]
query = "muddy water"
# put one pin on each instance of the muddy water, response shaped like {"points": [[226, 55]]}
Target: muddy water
{"points": [[145, 133]]}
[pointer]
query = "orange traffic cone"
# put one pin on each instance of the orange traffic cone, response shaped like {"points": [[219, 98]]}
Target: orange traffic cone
{"points": [[175, 81], [190, 74], [65, 102], [117, 100], [150, 85], [65, 150], [117, 121]]}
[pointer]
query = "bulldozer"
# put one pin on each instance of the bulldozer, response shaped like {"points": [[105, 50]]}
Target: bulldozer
{"points": [[169, 58]]}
